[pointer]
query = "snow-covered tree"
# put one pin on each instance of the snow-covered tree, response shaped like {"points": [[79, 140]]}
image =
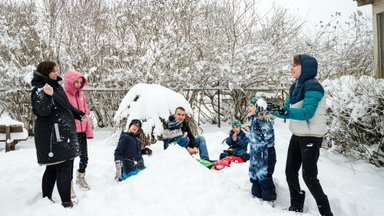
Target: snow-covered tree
{"points": [[356, 114], [181, 45]]}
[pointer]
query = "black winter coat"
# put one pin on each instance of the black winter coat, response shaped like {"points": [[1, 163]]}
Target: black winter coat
{"points": [[128, 151], [55, 129], [185, 128]]}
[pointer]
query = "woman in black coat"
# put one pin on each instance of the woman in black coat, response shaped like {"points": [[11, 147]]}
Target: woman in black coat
{"points": [[54, 131]]}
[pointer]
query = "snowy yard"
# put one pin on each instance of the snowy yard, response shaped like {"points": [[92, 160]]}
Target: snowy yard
{"points": [[175, 184]]}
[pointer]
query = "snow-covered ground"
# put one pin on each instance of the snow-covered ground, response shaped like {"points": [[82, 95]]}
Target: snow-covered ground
{"points": [[175, 184]]}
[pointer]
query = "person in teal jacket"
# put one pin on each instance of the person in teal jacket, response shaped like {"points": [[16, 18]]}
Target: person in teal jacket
{"points": [[305, 107]]}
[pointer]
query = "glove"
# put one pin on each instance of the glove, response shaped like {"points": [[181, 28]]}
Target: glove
{"points": [[230, 152], [277, 110], [274, 107], [283, 111], [283, 115], [118, 170], [146, 151]]}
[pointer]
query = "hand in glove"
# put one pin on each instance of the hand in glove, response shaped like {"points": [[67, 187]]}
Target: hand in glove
{"points": [[277, 110], [146, 151], [118, 170]]}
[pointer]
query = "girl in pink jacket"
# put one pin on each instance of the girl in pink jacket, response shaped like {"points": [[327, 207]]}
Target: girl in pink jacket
{"points": [[74, 83]]}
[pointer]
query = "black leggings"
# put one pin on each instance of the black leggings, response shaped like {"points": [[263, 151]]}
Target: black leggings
{"points": [[62, 174], [82, 137]]}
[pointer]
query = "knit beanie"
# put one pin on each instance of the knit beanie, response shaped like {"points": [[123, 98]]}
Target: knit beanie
{"points": [[253, 101], [173, 123], [236, 123]]}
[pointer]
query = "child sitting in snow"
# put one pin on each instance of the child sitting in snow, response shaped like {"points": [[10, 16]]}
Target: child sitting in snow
{"points": [[128, 153], [173, 133], [262, 150], [237, 142]]}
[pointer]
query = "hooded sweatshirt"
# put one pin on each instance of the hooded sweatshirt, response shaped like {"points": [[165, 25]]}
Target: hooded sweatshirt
{"points": [[77, 100]]}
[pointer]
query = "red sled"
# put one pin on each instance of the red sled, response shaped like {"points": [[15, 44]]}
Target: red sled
{"points": [[226, 162]]}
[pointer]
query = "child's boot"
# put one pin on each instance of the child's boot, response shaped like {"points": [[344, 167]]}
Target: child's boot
{"points": [[80, 179]]}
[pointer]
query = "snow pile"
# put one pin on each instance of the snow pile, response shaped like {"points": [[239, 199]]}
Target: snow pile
{"points": [[356, 113], [174, 183], [149, 103]]}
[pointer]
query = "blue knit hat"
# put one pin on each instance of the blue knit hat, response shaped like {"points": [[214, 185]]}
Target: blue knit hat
{"points": [[173, 123]]}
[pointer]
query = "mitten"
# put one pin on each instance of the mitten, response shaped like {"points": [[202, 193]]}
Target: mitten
{"points": [[118, 170], [182, 141], [230, 151], [146, 151]]}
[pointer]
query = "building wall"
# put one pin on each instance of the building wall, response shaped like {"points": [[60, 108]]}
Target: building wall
{"points": [[378, 33]]}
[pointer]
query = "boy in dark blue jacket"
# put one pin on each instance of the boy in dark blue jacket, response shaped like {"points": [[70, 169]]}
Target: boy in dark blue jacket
{"points": [[237, 142], [128, 153]]}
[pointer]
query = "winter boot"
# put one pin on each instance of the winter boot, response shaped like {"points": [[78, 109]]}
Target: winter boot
{"points": [[256, 190], [268, 189], [324, 208], [297, 202], [80, 179], [67, 204], [73, 194]]}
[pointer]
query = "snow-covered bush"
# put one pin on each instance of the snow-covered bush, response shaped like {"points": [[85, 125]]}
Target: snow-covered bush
{"points": [[356, 111], [152, 104]]}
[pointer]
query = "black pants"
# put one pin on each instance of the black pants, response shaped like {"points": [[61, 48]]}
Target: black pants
{"points": [[305, 151], [82, 137], [61, 174]]}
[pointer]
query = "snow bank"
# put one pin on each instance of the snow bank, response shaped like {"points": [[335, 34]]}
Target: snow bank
{"points": [[175, 184]]}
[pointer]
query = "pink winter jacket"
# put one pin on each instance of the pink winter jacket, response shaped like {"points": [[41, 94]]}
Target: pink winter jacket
{"points": [[77, 100]]}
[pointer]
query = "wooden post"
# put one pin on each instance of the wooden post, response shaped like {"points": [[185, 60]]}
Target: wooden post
{"points": [[8, 129], [7, 136]]}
